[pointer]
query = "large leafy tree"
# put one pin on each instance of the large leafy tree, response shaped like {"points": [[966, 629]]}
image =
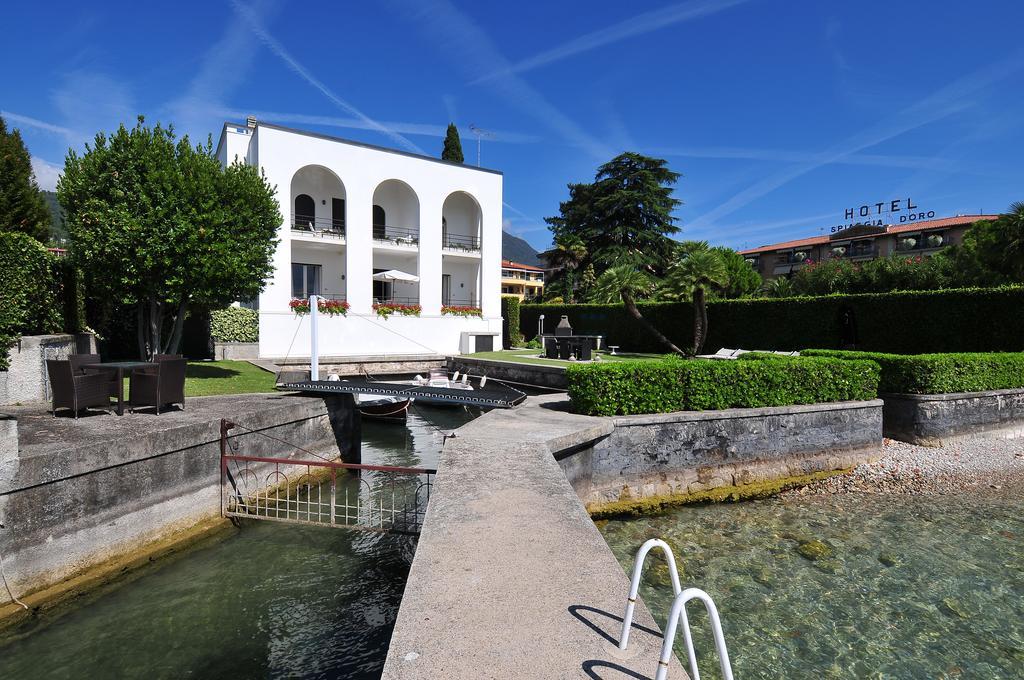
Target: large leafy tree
{"points": [[743, 280], [693, 276], [624, 215], [625, 282], [22, 207], [157, 224], [452, 150]]}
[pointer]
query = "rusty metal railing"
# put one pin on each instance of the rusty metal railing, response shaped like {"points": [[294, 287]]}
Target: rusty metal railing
{"points": [[381, 498]]}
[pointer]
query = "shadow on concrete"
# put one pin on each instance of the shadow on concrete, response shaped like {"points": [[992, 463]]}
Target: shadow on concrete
{"points": [[560, 405], [590, 669], [577, 609]]}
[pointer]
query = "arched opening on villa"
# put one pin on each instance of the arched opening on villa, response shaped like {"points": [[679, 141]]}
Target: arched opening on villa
{"points": [[461, 222], [396, 236], [318, 202]]}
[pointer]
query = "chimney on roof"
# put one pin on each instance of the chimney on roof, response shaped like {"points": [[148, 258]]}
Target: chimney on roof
{"points": [[250, 122]]}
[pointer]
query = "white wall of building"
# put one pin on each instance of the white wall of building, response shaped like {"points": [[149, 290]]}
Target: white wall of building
{"points": [[415, 192]]}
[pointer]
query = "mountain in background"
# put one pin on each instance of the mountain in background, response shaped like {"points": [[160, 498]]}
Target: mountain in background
{"points": [[57, 231], [516, 249]]}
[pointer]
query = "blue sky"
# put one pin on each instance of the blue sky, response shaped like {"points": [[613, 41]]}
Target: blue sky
{"points": [[780, 114]]}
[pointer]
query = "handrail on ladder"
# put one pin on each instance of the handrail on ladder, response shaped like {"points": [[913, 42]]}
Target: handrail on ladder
{"points": [[678, 612]]}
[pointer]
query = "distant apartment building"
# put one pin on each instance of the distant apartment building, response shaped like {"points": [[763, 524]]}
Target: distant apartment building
{"points": [[374, 227], [522, 280], [859, 243]]}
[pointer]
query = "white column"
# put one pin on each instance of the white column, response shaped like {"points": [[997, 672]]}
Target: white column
{"points": [[430, 252], [490, 260], [359, 248]]}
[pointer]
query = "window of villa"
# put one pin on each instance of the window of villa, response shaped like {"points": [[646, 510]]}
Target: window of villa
{"points": [[305, 211], [862, 247], [338, 213], [305, 280], [379, 220]]}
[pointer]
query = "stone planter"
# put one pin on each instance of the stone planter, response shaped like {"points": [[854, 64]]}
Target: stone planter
{"points": [[932, 419]]}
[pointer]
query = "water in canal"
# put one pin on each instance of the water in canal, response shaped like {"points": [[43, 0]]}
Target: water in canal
{"points": [[883, 587], [269, 601]]}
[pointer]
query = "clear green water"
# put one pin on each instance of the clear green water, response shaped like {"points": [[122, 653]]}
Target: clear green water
{"points": [[912, 587], [269, 601]]}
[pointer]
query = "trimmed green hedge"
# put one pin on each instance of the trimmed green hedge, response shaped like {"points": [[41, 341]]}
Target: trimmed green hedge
{"points": [[914, 322], [235, 324], [510, 314], [29, 287], [634, 387], [940, 373]]}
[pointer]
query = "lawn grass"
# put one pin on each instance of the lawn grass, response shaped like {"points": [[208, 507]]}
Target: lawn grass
{"points": [[529, 356], [209, 378]]}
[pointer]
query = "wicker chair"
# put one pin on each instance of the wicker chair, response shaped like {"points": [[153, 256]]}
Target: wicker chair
{"points": [[76, 391], [158, 386], [78, 360]]}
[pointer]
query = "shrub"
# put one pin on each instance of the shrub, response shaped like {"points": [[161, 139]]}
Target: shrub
{"points": [[631, 387], [510, 315], [235, 324], [29, 287], [956, 320], [940, 373]]}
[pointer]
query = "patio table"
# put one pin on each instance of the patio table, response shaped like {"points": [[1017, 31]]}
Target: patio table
{"points": [[120, 367]]}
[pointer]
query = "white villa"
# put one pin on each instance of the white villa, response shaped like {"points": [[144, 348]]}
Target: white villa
{"points": [[352, 211]]}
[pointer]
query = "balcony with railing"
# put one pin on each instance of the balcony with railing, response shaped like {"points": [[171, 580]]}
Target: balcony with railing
{"points": [[324, 227], [460, 242], [396, 236]]}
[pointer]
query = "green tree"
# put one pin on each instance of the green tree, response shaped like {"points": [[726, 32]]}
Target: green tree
{"points": [[567, 255], [625, 215], [743, 280], [779, 287], [992, 251], [452, 150], [588, 279], [157, 224], [22, 207], [695, 274], [625, 282]]}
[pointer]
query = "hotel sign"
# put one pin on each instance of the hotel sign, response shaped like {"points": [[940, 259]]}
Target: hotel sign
{"points": [[901, 210]]}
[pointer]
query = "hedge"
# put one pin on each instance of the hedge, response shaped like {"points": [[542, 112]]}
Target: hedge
{"points": [[940, 373], [510, 314], [29, 291], [634, 387], [235, 324], [913, 322]]}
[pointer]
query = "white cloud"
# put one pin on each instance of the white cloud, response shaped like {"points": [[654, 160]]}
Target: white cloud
{"points": [[785, 156], [46, 173], [20, 120], [628, 28]]}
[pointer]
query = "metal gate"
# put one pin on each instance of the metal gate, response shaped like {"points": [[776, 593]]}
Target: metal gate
{"points": [[323, 492]]}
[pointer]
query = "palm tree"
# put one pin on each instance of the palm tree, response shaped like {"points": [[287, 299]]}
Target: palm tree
{"points": [[694, 275], [625, 282], [779, 287], [567, 255]]}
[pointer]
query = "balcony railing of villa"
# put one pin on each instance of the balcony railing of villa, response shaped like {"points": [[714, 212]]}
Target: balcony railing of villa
{"points": [[321, 226], [460, 242], [457, 302], [396, 235], [395, 299]]}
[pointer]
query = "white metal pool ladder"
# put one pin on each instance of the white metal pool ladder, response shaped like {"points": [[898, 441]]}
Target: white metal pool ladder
{"points": [[678, 612]]}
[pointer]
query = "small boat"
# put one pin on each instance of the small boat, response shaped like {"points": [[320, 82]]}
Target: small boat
{"points": [[394, 409]]}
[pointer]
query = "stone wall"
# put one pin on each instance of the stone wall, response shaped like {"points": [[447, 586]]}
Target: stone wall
{"points": [[70, 503], [931, 419], [25, 380], [551, 377], [236, 351], [737, 451]]}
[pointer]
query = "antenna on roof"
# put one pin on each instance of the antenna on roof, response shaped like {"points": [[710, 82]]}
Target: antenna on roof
{"points": [[480, 133]]}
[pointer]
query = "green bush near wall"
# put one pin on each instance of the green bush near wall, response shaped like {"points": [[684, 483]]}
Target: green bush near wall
{"points": [[634, 387], [940, 373], [510, 314], [29, 291], [235, 324], [913, 322]]}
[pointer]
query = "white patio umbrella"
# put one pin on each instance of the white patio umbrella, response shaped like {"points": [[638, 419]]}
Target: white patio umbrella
{"points": [[395, 275]]}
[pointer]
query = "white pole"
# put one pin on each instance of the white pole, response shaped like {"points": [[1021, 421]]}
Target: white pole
{"points": [[314, 339]]}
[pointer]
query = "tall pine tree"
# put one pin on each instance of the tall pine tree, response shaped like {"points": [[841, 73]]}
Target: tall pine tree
{"points": [[452, 145], [22, 207]]}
